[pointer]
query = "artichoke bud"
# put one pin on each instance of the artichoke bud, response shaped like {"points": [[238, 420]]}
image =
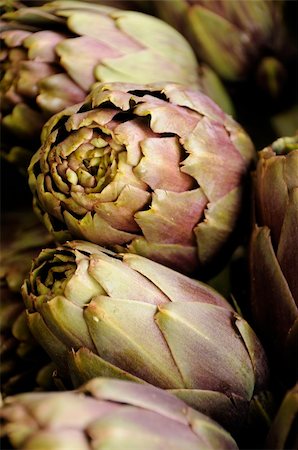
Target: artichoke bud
{"points": [[273, 250], [234, 36], [112, 414], [134, 165], [54, 53], [89, 307]]}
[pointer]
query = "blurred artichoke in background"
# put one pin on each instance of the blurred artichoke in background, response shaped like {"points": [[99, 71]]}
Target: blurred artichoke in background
{"points": [[274, 251], [22, 238], [155, 169], [112, 414], [124, 316], [52, 54], [234, 37], [285, 123], [283, 432], [252, 45]]}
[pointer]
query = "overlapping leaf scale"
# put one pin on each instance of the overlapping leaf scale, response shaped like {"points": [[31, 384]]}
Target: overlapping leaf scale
{"points": [[177, 287], [218, 225], [202, 329], [213, 160], [282, 315], [159, 167], [286, 254], [115, 327], [121, 281], [272, 195], [171, 255], [200, 103], [172, 217]]}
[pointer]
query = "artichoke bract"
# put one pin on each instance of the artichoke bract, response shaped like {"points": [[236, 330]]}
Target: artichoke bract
{"points": [[97, 313], [155, 169], [274, 250], [283, 430], [107, 413], [52, 54]]}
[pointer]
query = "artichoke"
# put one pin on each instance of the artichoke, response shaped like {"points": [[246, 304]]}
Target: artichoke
{"points": [[283, 431], [22, 238], [248, 43], [274, 250], [52, 54], [112, 414], [121, 315], [157, 170], [235, 37]]}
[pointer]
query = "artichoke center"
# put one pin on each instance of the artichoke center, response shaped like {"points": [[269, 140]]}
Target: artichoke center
{"points": [[92, 166], [53, 275]]}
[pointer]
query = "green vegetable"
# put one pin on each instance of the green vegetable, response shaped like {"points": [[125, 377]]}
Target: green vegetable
{"points": [[273, 251], [158, 169], [124, 316], [52, 55], [108, 414]]}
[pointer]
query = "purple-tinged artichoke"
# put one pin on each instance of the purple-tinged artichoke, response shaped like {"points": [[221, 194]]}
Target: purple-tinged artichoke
{"points": [[235, 37], [109, 414], [283, 431], [274, 250], [158, 170], [124, 316], [22, 238], [250, 45], [52, 55]]}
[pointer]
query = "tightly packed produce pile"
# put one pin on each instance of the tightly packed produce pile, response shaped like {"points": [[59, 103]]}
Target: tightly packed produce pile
{"points": [[149, 225]]}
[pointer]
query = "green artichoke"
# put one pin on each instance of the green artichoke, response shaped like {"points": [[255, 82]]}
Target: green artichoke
{"points": [[248, 43], [283, 431], [22, 238], [109, 414], [121, 315], [52, 54], [274, 250], [155, 169], [234, 37]]}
